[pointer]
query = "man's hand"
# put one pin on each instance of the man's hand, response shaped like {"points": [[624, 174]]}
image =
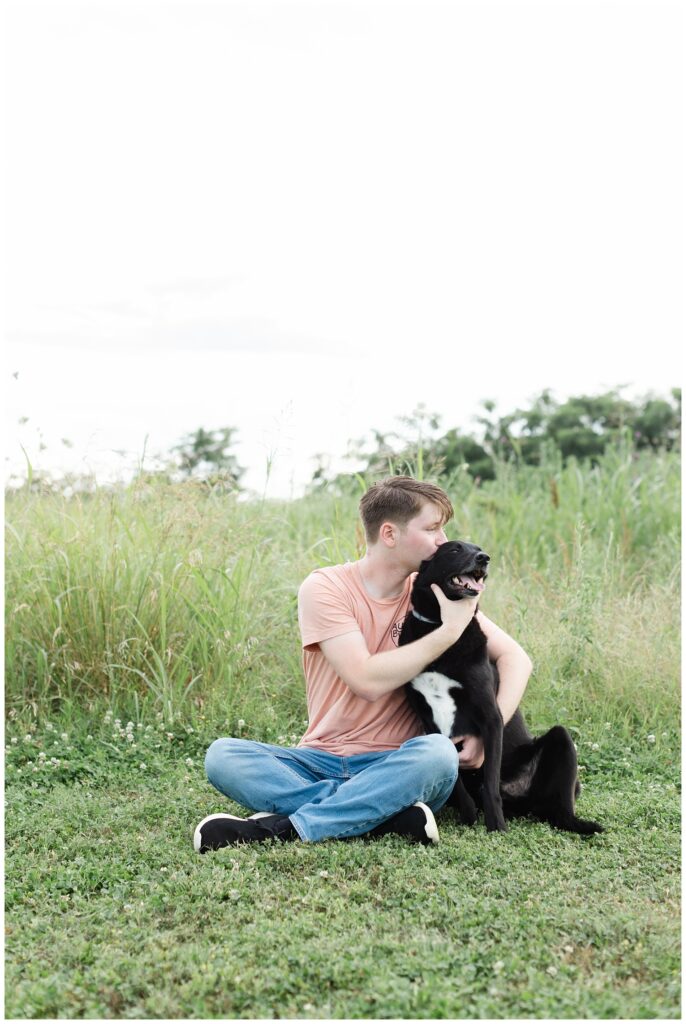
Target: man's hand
{"points": [[472, 753], [455, 615]]}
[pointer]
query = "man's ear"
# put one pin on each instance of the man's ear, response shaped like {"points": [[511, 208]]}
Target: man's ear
{"points": [[387, 534]]}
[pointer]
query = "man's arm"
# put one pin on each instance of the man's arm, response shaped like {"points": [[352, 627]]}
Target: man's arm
{"points": [[513, 663], [371, 676], [514, 668]]}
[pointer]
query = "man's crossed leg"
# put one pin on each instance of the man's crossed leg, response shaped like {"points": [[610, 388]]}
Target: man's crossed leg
{"points": [[313, 795]]}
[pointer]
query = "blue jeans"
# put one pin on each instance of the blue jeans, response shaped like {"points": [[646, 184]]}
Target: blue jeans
{"points": [[327, 796]]}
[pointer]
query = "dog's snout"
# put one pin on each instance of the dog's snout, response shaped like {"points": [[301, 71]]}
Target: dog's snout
{"points": [[482, 558]]}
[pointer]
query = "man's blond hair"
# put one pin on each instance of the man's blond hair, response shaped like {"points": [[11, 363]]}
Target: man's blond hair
{"points": [[397, 499]]}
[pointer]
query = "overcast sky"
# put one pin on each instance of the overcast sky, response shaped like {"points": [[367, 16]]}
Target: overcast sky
{"points": [[304, 219]]}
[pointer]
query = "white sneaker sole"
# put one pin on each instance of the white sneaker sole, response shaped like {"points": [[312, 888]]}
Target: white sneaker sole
{"points": [[431, 828], [197, 838]]}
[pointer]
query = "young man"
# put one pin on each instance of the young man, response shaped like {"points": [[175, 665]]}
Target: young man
{"points": [[364, 765]]}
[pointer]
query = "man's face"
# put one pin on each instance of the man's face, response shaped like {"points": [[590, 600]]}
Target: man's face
{"points": [[419, 539]]}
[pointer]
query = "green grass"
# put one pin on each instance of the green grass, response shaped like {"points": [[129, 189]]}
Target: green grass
{"points": [[176, 596], [110, 913], [174, 608]]}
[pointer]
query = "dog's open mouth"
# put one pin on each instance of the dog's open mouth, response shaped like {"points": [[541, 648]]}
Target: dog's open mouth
{"points": [[472, 583]]}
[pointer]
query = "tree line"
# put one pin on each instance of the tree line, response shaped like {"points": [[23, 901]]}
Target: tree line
{"points": [[581, 427]]}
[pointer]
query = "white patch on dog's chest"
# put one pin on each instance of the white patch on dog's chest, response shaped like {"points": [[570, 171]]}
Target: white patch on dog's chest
{"points": [[434, 688]]}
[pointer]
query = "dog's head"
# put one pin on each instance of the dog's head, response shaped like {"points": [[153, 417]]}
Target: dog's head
{"points": [[459, 569]]}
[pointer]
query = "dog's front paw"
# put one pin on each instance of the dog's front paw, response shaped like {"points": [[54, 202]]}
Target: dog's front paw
{"points": [[466, 813], [495, 819]]}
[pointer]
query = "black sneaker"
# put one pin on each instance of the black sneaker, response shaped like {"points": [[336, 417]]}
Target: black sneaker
{"points": [[217, 830], [416, 823]]}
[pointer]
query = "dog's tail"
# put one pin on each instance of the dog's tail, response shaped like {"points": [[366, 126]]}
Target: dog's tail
{"points": [[557, 783], [570, 823]]}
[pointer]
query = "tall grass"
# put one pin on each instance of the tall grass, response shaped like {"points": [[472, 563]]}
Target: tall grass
{"points": [[179, 598]]}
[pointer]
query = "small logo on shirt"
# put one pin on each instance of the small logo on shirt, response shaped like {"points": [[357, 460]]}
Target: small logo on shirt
{"points": [[397, 630]]}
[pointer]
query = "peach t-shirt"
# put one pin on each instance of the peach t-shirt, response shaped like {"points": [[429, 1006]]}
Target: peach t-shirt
{"points": [[333, 601]]}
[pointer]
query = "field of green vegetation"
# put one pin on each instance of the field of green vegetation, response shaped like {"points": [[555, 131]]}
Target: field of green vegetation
{"points": [[144, 622]]}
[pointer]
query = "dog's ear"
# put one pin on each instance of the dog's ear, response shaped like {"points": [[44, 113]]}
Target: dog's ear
{"points": [[424, 564]]}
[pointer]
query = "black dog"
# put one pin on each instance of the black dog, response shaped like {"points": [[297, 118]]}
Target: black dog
{"points": [[456, 695]]}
